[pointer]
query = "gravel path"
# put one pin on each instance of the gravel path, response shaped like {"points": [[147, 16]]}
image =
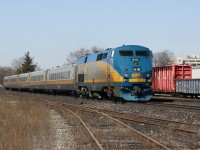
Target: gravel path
{"points": [[61, 132]]}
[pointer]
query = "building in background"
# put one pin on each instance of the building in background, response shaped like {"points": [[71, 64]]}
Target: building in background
{"points": [[193, 60]]}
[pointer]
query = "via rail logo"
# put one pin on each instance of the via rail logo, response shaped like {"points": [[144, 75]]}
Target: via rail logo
{"points": [[136, 75]]}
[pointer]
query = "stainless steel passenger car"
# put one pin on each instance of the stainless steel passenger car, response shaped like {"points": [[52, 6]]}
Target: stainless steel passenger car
{"points": [[23, 81], [11, 82], [38, 80], [55, 79], [61, 79]]}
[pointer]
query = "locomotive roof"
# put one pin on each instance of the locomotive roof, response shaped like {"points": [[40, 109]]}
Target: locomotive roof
{"points": [[93, 57], [116, 48]]}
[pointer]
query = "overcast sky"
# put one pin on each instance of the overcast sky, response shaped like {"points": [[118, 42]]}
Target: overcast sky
{"points": [[50, 29]]}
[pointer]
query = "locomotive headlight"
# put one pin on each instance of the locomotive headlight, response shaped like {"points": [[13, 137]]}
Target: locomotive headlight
{"points": [[134, 69], [138, 69], [148, 75], [126, 79], [126, 75]]}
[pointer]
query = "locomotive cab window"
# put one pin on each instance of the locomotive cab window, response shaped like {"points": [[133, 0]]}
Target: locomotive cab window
{"points": [[126, 53], [85, 59], [99, 57], [105, 55], [142, 53]]}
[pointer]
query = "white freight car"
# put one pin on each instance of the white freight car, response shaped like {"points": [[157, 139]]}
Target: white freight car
{"points": [[195, 73]]}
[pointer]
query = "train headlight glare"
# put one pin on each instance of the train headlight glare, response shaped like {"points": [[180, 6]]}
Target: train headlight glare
{"points": [[138, 69], [126, 75], [126, 79], [148, 75]]}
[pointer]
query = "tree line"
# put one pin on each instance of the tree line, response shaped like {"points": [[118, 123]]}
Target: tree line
{"points": [[26, 63], [22, 65]]}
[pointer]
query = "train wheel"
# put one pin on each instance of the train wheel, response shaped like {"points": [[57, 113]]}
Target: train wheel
{"points": [[122, 101]]}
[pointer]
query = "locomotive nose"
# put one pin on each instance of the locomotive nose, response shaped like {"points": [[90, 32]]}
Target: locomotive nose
{"points": [[136, 91]]}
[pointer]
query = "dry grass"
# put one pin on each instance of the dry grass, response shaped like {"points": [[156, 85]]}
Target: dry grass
{"points": [[23, 125]]}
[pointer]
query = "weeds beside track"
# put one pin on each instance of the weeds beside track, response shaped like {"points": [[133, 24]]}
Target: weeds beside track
{"points": [[22, 124]]}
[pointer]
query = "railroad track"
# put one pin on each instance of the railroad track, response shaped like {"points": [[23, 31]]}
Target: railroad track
{"points": [[177, 106], [168, 98], [105, 129], [165, 123], [195, 108], [174, 126], [170, 105], [191, 131]]}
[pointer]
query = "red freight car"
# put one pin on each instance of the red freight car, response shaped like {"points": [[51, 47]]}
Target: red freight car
{"points": [[163, 78]]}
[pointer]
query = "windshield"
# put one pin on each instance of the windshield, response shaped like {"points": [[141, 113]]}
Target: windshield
{"points": [[126, 53], [142, 53]]}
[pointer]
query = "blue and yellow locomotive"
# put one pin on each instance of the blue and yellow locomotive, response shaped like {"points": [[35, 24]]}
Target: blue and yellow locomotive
{"points": [[120, 73], [123, 72]]}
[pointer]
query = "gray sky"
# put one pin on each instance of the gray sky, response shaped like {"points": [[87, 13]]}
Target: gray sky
{"points": [[50, 29]]}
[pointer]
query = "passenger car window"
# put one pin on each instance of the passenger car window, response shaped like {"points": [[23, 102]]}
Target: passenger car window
{"points": [[80, 77]]}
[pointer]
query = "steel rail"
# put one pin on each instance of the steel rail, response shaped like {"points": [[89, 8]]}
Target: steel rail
{"points": [[153, 124], [152, 118], [149, 118], [197, 108], [168, 99], [86, 127], [151, 141]]}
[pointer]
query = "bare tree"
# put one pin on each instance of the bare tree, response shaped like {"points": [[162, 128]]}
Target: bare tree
{"points": [[188, 57], [163, 58], [6, 71], [72, 57], [16, 63], [96, 49]]}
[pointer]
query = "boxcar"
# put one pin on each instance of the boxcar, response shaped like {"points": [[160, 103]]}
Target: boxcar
{"points": [[164, 78], [188, 87]]}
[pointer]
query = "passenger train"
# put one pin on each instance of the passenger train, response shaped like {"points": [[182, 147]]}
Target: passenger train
{"points": [[121, 73]]}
